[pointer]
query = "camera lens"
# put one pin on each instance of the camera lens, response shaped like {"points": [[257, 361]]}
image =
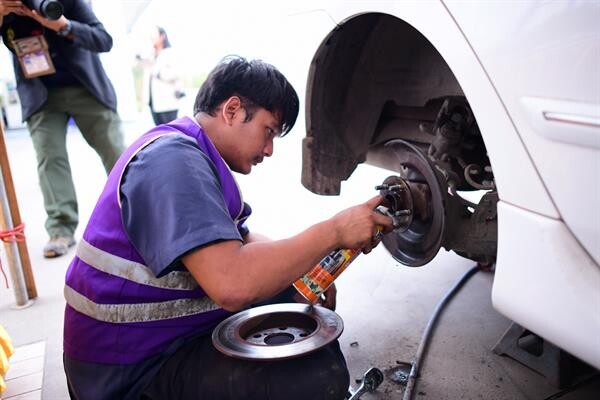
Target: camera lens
{"points": [[51, 9]]}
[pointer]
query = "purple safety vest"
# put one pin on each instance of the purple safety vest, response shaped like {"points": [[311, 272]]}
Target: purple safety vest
{"points": [[117, 311]]}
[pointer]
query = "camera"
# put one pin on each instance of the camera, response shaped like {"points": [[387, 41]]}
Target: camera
{"points": [[51, 9]]}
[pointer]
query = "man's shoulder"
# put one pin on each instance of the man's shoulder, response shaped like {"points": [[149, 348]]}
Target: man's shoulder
{"points": [[174, 142], [177, 150]]}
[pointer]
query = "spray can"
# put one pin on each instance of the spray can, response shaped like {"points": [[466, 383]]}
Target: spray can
{"points": [[318, 279]]}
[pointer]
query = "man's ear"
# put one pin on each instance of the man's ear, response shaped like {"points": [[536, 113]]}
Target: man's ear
{"points": [[231, 108]]}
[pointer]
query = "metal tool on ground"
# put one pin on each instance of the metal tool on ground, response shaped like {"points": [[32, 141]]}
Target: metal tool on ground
{"points": [[277, 331], [370, 382]]}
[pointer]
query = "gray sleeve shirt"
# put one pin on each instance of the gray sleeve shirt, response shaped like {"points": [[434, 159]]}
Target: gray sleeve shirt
{"points": [[172, 203]]}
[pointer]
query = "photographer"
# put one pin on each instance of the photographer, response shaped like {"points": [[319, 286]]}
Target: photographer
{"points": [[62, 79]]}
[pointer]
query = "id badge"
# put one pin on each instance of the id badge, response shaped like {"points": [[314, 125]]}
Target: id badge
{"points": [[33, 56]]}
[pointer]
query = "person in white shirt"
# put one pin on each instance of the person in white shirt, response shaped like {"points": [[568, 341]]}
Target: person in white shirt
{"points": [[165, 85]]}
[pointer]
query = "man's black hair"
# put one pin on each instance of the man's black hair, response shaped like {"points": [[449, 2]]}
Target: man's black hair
{"points": [[257, 83]]}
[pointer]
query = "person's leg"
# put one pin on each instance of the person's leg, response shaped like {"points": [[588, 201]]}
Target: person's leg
{"points": [[100, 126], [94, 381], [47, 128], [199, 371], [156, 117]]}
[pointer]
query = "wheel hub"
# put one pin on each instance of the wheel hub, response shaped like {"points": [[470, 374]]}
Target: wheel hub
{"points": [[419, 201]]}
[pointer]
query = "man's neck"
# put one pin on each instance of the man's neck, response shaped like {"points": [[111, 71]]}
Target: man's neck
{"points": [[207, 123]]}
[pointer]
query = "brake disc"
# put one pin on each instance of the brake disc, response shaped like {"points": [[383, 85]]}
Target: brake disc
{"points": [[418, 244], [277, 331]]}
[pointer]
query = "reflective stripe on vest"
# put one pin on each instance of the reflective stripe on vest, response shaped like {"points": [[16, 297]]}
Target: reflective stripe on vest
{"points": [[144, 312], [131, 270]]}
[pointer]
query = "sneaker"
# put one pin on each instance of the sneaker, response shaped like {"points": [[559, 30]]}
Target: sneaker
{"points": [[58, 246]]}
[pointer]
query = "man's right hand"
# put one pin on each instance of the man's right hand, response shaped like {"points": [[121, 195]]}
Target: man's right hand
{"points": [[356, 226], [11, 6]]}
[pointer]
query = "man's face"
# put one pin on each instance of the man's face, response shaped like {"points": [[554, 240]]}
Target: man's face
{"points": [[253, 139]]}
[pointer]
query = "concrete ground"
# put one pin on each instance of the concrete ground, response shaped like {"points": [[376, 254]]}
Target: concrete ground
{"points": [[385, 306]]}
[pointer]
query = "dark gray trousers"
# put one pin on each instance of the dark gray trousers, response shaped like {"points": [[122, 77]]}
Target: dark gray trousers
{"points": [[198, 371]]}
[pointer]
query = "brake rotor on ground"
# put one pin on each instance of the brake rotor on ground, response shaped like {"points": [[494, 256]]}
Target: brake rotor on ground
{"points": [[420, 241], [277, 331]]}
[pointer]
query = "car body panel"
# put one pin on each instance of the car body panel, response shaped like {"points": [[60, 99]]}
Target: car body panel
{"points": [[516, 177], [549, 72], [546, 282], [531, 74]]}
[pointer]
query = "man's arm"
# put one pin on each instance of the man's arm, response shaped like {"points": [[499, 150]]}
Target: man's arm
{"points": [[85, 31], [235, 275], [253, 237]]}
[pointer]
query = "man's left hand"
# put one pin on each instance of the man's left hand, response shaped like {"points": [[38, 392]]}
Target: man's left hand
{"points": [[328, 300]]}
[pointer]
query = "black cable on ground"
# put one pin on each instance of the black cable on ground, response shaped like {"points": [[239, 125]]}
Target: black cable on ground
{"points": [[416, 364]]}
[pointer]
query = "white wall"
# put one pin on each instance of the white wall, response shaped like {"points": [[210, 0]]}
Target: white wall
{"points": [[119, 61]]}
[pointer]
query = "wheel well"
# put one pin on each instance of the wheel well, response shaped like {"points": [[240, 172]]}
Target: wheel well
{"points": [[374, 72], [379, 92]]}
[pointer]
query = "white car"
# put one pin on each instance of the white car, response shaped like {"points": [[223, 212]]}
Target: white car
{"points": [[493, 98]]}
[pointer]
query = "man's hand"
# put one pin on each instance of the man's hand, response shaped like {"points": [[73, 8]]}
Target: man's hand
{"points": [[55, 25], [11, 6], [328, 300], [357, 226]]}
